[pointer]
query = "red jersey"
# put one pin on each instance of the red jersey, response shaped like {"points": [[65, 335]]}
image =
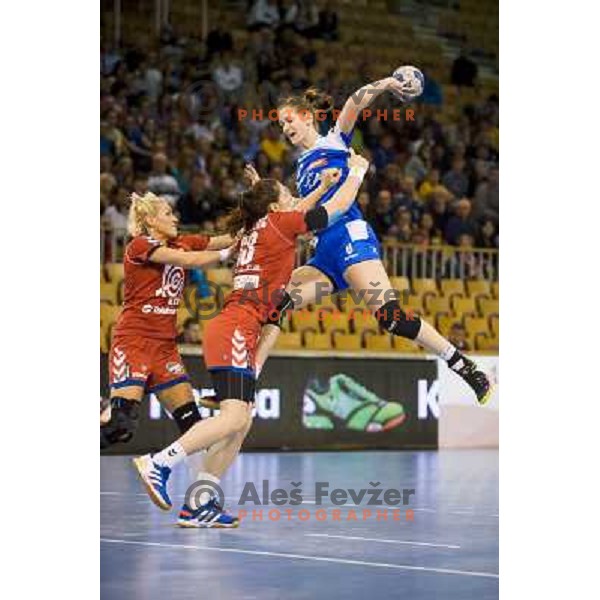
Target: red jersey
{"points": [[266, 259], [152, 291]]}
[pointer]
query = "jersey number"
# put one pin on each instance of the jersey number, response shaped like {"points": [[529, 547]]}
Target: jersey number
{"points": [[247, 249]]}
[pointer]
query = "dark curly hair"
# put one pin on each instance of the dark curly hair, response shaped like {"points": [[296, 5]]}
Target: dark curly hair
{"points": [[253, 205]]}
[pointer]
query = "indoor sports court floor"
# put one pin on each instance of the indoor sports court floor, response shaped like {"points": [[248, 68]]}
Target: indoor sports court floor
{"points": [[449, 551]]}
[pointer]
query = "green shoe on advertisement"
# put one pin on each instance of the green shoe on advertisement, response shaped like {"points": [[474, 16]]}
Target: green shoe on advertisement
{"points": [[345, 403]]}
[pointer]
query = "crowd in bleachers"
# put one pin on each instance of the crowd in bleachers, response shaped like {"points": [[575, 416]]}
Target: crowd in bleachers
{"points": [[170, 124]]}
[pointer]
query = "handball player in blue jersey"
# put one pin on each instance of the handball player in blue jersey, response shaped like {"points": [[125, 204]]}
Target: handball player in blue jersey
{"points": [[347, 252]]}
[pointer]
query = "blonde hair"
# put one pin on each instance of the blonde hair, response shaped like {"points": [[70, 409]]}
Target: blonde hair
{"points": [[141, 208]]}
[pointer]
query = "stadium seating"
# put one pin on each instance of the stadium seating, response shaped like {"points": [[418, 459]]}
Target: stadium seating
{"points": [[317, 341], [347, 341], [442, 303]]}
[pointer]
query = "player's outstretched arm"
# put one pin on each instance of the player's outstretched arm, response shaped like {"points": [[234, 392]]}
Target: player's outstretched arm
{"points": [[188, 260], [363, 97], [219, 242]]}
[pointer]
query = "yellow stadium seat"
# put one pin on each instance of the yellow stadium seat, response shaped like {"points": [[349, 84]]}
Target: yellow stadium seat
{"points": [[495, 325], [445, 322], [219, 276], [334, 321], [347, 341], [452, 286], [401, 344], [437, 304], [289, 341], [378, 343], [400, 283], [328, 302], [287, 323], [413, 303], [496, 289], [304, 319], [476, 325], [348, 302], [363, 320], [317, 341], [478, 287], [489, 306], [421, 286], [109, 292], [114, 271], [109, 313], [487, 343], [463, 306]]}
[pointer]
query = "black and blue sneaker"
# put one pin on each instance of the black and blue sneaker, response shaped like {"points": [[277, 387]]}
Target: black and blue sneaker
{"points": [[154, 477], [208, 515]]}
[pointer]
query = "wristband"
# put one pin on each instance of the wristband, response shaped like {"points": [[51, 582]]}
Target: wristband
{"points": [[357, 172], [224, 254]]}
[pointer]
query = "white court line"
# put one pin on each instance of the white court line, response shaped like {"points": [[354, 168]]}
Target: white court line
{"points": [[364, 539], [455, 511], [342, 561]]}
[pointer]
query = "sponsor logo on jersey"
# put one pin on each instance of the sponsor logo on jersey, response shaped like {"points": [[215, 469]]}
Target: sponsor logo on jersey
{"points": [[158, 310], [175, 368], [147, 308], [172, 282]]}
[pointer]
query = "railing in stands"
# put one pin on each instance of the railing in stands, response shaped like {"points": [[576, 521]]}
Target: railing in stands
{"points": [[409, 260]]}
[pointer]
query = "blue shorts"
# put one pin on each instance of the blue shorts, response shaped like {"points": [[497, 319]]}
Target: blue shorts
{"points": [[343, 245]]}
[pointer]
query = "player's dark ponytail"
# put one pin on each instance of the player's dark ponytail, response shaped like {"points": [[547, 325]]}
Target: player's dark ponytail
{"points": [[253, 205], [318, 100], [313, 100]]}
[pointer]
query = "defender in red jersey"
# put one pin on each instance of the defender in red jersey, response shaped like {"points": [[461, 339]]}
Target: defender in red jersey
{"points": [[143, 355], [270, 221]]}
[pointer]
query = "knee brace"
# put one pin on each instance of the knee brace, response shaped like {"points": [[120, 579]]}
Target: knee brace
{"points": [[393, 319], [277, 315], [186, 416], [123, 422]]}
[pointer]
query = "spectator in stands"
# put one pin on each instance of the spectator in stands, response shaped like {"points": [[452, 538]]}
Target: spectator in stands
{"points": [[192, 332], [273, 145], [115, 216], [218, 40], [431, 181], [458, 337], [383, 216], [456, 180], [463, 264], [228, 76], [328, 23], [487, 235], [364, 202], [460, 223], [308, 19], [264, 13], [401, 230], [464, 71], [428, 228], [198, 204], [438, 207], [385, 152], [161, 182], [487, 196]]}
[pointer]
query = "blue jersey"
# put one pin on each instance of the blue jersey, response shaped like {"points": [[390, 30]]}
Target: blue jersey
{"points": [[330, 152], [350, 240]]}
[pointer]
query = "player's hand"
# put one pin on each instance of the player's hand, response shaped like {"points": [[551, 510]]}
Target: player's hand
{"points": [[402, 91], [251, 177], [329, 177], [356, 160]]}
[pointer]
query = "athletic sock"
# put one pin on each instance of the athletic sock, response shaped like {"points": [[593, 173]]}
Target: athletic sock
{"points": [[170, 456], [204, 497], [456, 361]]}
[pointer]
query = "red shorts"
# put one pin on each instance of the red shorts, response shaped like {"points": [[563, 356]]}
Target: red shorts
{"points": [[152, 364], [231, 338]]}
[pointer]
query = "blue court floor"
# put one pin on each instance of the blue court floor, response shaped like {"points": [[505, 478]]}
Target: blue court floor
{"points": [[449, 550]]}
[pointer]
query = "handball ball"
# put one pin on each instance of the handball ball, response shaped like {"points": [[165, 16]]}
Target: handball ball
{"points": [[414, 77]]}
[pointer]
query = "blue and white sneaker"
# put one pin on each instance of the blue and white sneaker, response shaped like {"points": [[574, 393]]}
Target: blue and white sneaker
{"points": [[208, 515], [154, 477]]}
